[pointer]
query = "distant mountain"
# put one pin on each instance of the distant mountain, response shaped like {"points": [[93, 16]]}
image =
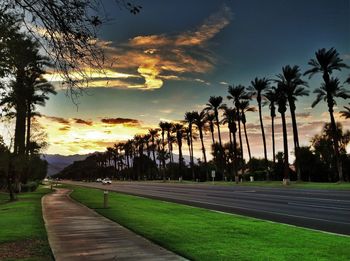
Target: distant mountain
{"points": [[57, 162]]}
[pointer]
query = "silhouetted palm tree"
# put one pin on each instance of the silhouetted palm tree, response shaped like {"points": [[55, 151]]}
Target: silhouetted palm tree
{"points": [[293, 86], [325, 63], [258, 87], [271, 97], [244, 107], [282, 108], [346, 112], [189, 118], [230, 117], [163, 126], [215, 104], [168, 126], [200, 121], [154, 134], [178, 129], [237, 94], [210, 120]]}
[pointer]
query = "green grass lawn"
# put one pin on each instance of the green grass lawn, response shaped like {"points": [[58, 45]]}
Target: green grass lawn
{"points": [[201, 234], [275, 184], [22, 230]]}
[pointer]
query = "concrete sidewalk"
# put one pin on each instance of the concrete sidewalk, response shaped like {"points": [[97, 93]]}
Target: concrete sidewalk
{"points": [[76, 232]]}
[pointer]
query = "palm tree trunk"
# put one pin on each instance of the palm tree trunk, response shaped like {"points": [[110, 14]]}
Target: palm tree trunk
{"points": [[212, 133], [191, 155], [263, 135], [240, 141], [203, 150], [235, 169], [336, 146], [296, 139], [246, 138], [273, 140], [218, 126], [285, 148]]}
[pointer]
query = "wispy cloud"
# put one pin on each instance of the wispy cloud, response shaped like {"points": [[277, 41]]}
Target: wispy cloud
{"points": [[146, 61]]}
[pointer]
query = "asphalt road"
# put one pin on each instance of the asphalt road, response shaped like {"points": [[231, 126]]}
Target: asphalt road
{"points": [[326, 210]]}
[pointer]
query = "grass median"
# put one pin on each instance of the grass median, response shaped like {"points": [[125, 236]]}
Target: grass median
{"points": [[201, 234], [22, 230]]}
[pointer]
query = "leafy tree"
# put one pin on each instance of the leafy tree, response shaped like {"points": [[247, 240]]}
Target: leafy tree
{"points": [[325, 63]]}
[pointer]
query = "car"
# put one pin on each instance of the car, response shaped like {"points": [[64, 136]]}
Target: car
{"points": [[98, 180], [106, 181]]}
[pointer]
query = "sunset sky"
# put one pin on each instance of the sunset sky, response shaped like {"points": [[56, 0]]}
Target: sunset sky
{"points": [[172, 56]]}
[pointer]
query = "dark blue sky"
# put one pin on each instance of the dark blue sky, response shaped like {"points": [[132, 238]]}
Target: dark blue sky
{"points": [[249, 38]]}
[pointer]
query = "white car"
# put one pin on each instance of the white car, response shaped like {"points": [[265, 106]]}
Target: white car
{"points": [[98, 180], [106, 181]]}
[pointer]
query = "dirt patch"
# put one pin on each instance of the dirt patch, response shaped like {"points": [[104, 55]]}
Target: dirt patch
{"points": [[21, 249]]}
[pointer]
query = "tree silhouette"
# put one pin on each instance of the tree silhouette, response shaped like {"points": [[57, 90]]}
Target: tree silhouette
{"points": [[271, 97], [257, 88], [325, 63], [200, 121], [293, 86], [178, 129], [189, 119], [215, 104], [282, 108], [244, 108]]}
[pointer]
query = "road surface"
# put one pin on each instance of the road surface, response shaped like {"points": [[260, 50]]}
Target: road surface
{"points": [[325, 210]]}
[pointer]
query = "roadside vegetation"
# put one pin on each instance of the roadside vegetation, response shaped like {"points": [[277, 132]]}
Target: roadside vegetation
{"points": [[23, 234], [200, 234]]}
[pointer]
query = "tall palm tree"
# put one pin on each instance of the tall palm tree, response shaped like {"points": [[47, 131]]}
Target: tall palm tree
{"points": [[237, 94], [258, 87], [282, 108], [168, 127], [244, 107], [189, 119], [210, 120], [154, 135], [271, 98], [178, 129], [215, 104], [200, 121], [325, 63], [346, 112], [230, 117], [328, 93], [162, 126], [37, 91], [294, 87]]}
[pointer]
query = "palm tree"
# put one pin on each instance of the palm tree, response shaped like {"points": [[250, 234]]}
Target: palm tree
{"points": [[282, 108], [189, 118], [162, 126], [244, 107], [37, 92], [237, 94], [328, 93], [258, 87], [178, 129], [210, 120], [154, 135], [346, 112], [293, 86], [215, 104], [271, 98], [200, 121], [230, 117], [325, 63], [168, 127]]}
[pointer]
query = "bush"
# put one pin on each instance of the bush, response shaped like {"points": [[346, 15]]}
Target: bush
{"points": [[258, 175], [30, 186]]}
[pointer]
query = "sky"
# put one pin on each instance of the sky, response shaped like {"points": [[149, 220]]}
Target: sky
{"points": [[171, 57]]}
